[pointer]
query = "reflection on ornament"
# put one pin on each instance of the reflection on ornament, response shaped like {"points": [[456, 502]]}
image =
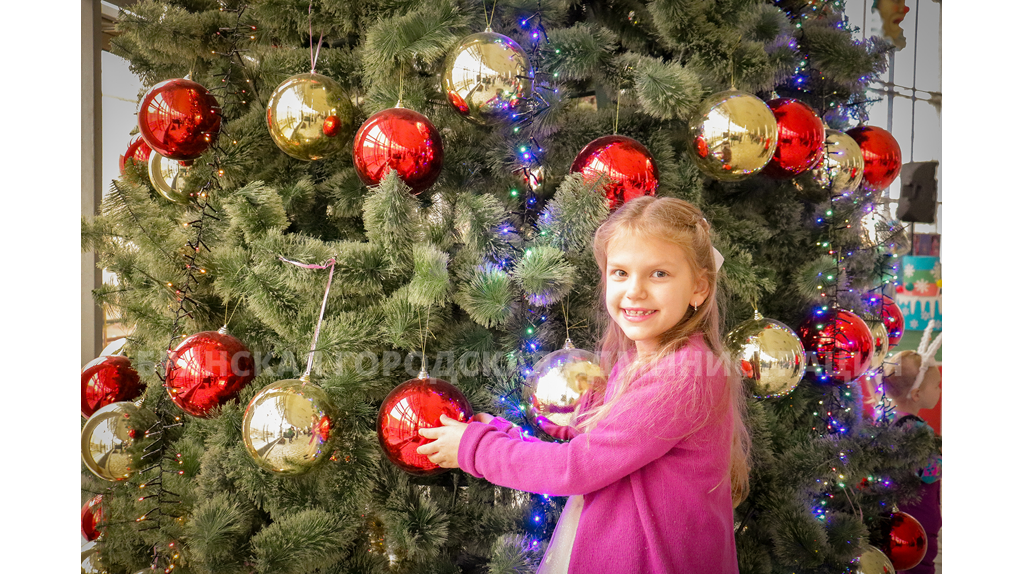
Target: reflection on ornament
{"points": [[839, 343], [889, 313], [842, 168], [883, 159], [286, 426], [92, 562], [138, 152], [402, 140], [873, 561], [488, 78], [801, 142], [168, 178], [557, 386], [732, 135], [179, 119], [906, 543], [106, 438], [310, 117], [92, 516], [207, 370], [415, 404], [880, 340], [770, 355], [628, 168], [108, 380], [879, 228]]}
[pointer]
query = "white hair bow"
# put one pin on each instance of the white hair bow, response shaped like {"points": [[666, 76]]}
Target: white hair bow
{"points": [[927, 350]]}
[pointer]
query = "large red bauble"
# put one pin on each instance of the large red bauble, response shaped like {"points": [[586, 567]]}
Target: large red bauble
{"points": [[402, 140], [801, 143], [841, 342], [628, 167], [179, 119], [207, 370], [906, 543], [412, 405], [138, 151], [106, 380], [889, 313], [92, 516], [882, 157]]}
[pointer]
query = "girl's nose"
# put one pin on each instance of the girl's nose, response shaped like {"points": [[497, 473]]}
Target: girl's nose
{"points": [[635, 290]]}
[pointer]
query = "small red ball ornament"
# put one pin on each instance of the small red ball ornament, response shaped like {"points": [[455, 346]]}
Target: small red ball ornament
{"points": [[628, 167], [332, 125], [801, 142], [882, 157], [889, 313], [906, 543], [840, 341], [207, 370], [412, 405], [92, 516], [179, 119], [138, 151], [106, 380], [402, 140]]}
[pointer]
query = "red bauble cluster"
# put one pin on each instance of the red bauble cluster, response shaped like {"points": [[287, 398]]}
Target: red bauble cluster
{"points": [[801, 143], [107, 380], [92, 516], [402, 140], [889, 313], [883, 159], [207, 370], [138, 151], [179, 119], [841, 341], [906, 543], [627, 166], [412, 405]]}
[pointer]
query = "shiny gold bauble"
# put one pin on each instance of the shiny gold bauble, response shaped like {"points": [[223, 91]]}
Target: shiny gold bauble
{"points": [[92, 562], [488, 78], [878, 228], [874, 561], [286, 426], [732, 135], [880, 339], [106, 438], [770, 355], [842, 168], [310, 117], [555, 389], [168, 178]]}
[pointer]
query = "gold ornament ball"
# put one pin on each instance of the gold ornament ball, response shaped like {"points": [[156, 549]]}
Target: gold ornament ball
{"points": [[488, 78], [842, 168], [310, 117], [732, 136], [874, 561], [554, 390], [106, 438], [92, 562], [880, 339], [286, 426], [168, 178], [770, 354]]}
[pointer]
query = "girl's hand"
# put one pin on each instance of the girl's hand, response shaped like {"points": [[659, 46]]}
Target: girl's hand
{"points": [[482, 418], [444, 451]]}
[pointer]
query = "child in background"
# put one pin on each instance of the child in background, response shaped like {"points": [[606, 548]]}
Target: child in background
{"points": [[662, 460], [912, 379]]}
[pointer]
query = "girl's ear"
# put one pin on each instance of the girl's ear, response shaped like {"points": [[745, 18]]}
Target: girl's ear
{"points": [[701, 289]]}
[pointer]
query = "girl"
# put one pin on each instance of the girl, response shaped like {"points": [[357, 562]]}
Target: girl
{"points": [[662, 460]]}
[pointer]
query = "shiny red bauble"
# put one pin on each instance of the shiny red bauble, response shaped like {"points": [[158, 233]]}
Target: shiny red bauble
{"points": [[207, 370], [179, 119], [138, 151], [402, 140], [92, 516], [107, 380], [840, 341], [882, 157], [627, 166], [801, 143], [889, 313], [906, 543], [412, 405]]}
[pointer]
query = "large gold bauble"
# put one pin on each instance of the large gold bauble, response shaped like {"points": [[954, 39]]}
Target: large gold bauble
{"points": [[554, 390], [488, 78], [880, 339], [310, 117], [770, 354], [92, 562], [874, 561], [732, 135], [842, 168], [106, 438], [880, 229], [286, 426], [168, 178]]}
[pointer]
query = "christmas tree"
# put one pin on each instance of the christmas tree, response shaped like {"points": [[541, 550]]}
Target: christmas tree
{"points": [[410, 186]]}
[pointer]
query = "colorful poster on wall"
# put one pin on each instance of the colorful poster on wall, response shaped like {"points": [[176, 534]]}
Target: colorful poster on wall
{"points": [[920, 295]]}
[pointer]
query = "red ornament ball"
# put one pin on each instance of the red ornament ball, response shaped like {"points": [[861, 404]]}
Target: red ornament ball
{"points": [[179, 119], [138, 151], [882, 157], [906, 543], [801, 143], [106, 380], [207, 370], [402, 140], [332, 126], [92, 516], [412, 405], [628, 167], [889, 313], [841, 341]]}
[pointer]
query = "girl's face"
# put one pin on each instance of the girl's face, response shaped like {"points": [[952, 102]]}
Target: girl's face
{"points": [[649, 287], [931, 388]]}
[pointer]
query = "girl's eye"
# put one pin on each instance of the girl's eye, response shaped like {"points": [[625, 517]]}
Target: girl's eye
{"points": [[618, 273], [660, 274]]}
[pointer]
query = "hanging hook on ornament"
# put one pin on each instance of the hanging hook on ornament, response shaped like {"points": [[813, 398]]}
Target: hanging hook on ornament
{"points": [[313, 58], [316, 334]]}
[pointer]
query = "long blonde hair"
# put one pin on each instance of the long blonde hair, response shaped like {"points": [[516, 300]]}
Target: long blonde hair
{"points": [[682, 224]]}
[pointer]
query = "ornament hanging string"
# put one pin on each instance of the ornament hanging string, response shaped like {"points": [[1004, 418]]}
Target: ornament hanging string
{"points": [[488, 20], [313, 58], [316, 333], [423, 346]]}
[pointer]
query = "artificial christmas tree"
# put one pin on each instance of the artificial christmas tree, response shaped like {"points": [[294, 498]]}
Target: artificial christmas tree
{"points": [[451, 261]]}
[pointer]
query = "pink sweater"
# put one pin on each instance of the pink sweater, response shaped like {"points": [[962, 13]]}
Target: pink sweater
{"points": [[657, 496]]}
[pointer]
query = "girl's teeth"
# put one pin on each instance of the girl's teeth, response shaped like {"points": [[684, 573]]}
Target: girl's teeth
{"points": [[637, 313]]}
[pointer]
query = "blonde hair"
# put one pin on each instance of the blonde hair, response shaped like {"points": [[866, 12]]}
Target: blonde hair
{"points": [[899, 373], [682, 224]]}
